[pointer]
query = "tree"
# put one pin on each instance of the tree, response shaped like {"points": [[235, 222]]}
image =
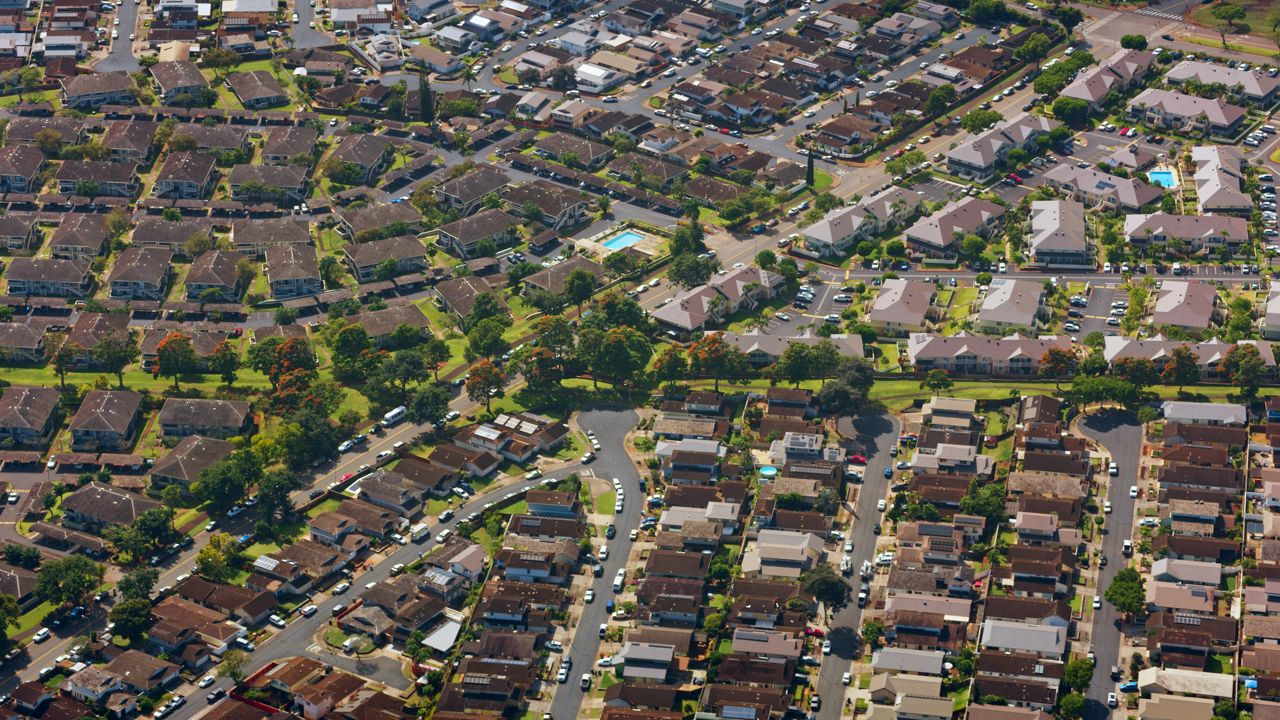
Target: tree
{"points": [[233, 665], [976, 121], [670, 365], [765, 260], [435, 353], [273, 494], [1134, 42], [428, 404], [485, 306], [175, 357], [624, 353], [810, 174], [225, 361], [711, 357], [1139, 371], [216, 560], [69, 580], [1033, 48], [937, 381], [49, 141], [23, 556], [132, 618], [485, 339], [1057, 364], [1078, 674], [1070, 17], [872, 631], [848, 392], [827, 587], [426, 105], [987, 12], [485, 381], [116, 352], [1182, 368], [1126, 592], [794, 365], [943, 97], [224, 483], [138, 584], [1071, 706], [689, 270], [64, 359], [1072, 111], [985, 500], [221, 59], [1229, 14], [579, 286], [1245, 368]]}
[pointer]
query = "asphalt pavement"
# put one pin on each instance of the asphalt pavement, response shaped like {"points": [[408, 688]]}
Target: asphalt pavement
{"points": [[611, 426], [1120, 434], [120, 56], [873, 436], [304, 36]]}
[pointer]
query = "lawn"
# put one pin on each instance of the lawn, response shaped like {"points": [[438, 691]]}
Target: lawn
{"points": [[1219, 664], [519, 507], [1255, 17], [604, 502], [569, 449], [435, 506], [961, 307], [960, 699], [134, 379], [33, 617], [327, 505], [821, 181]]}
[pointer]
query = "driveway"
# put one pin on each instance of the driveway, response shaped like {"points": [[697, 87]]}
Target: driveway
{"points": [[120, 56], [611, 426], [873, 436], [1120, 434]]}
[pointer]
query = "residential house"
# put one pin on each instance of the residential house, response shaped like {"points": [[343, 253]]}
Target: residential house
{"points": [[1012, 305], [1096, 187], [94, 507], [180, 417], [293, 271], [91, 91], [141, 273], [215, 277], [184, 463], [401, 254], [1058, 236], [1187, 113], [106, 420], [938, 235]]}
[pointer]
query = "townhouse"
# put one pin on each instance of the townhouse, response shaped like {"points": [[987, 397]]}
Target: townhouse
{"points": [[187, 175], [400, 255], [141, 273], [180, 417], [44, 277], [1120, 72], [902, 307], [1058, 234], [977, 155], [1256, 88], [215, 276], [1187, 234], [1219, 178], [723, 295], [1012, 305], [284, 184], [27, 414], [113, 179], [257, 90], [293, 270], [967, 354], [1187, 113], [177, 77], [1095, 187], [841, 229], [1188, 304], [19, 166], [938, 235], [93, 90]]}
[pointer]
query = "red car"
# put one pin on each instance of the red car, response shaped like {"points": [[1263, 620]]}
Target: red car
{"points": [[814, 632], [348, 476], [1015, 178], [1124, 131], [858, 459]]}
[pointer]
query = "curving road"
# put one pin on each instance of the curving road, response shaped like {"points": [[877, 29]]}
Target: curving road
{"points": [[611, 426], [873, 436], [1120, 434]]}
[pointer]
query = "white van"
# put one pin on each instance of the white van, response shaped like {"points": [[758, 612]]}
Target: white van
{"points": [[619, 580], [393, 417], [604, 552]]}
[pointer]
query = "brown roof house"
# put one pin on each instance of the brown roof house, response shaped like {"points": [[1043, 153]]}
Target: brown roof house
{"points": [[180, 417], [49, 277], [19, 166], [93, 90], [215, 277], [398, 255], [141, 273], [184, 463], [293, 271], [95, 507], [92, 177], [27, 414], [257, 89], [106, 420], [185, 175], [22, 343]]}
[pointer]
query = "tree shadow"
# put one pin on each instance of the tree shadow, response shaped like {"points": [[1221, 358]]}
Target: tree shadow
{"points": [[1109, 419]]}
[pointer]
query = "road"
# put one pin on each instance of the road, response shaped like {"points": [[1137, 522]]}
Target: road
{"points": [[611, 426], [120, 56], [873, 436], [1120, 434], [304, 36]]}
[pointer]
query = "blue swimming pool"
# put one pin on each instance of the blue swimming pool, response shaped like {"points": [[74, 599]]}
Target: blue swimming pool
{"points": [[1163, 178], [624, 239]]}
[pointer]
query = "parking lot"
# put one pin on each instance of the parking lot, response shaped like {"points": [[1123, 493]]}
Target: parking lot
{"points": [[1097, 312]]}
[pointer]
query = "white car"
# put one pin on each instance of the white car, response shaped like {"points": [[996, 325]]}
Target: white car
{"points": [[1106, 507], [234, 511], [205, 681], [826, 647], [1097, 602], [1113, 469], [589, 595], [848, 546], [41, 635], [633, 535], [1133, 491], [308, 611], [276, 620], [341, 588], [1111, 700], [881, 505], [563, 675], [846, 678], [400, 539]]}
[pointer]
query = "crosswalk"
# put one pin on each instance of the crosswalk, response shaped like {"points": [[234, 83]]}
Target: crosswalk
{"points": [[1157, 13]]}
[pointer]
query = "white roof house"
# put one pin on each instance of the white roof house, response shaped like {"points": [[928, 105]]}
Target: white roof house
{"points": [[1043, 640], [1190, 682], [1205, 413]]}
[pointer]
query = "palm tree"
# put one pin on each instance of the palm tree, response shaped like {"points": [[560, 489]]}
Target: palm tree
{"points": [[468, 76]]}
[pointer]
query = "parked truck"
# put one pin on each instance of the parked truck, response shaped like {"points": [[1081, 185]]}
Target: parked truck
{"points": [[419, 531]]}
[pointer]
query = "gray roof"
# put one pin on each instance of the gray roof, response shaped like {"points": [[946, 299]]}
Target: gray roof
{"points": [[1012, 302], [1057, 226], [1252, 84], [958, 218], [1039, 639], [1205, 412]]}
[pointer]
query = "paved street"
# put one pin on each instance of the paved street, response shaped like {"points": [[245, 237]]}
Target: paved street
{"points": [[304, 36], [1119, 434], [121, 57], [611, 426], [873, 436]]}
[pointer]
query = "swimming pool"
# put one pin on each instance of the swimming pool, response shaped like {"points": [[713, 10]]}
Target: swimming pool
{"points": [[1163, 178], [624, 239]]}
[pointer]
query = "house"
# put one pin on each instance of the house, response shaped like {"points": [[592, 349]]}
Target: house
{"points": [[901, 307], [938, 235], [79, 236], [19, 166], [1187, 234], [94, 507], [257, 89], [1188, 304], [185, 175], [143, 673], [1208, 354], [1256, 88], [293, 271], [177, 77], [1189, 572], [976, 156], [466, 192], [1096, 187], [553, 279], [399, 255], [18, 232], [255, 236], [462, 237], [1186, 682], [841, 229], [1118, 73], [184, 463], [91, 177], [91, 91], [1058, 234], [1204, 413], [369, 154], [284, 143], [1219, 179], [723, 295], [27, 414], [381, 324], [1004, 636], [894, 660], [141, 273], [215, 277], [172, 235], [1012, 305], [105, 420], [90, 330], [764, 348], [558, 207], [1178, 111], [967, 354], [382, 220], [180, 417], [782, 553], [282, 184]]}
